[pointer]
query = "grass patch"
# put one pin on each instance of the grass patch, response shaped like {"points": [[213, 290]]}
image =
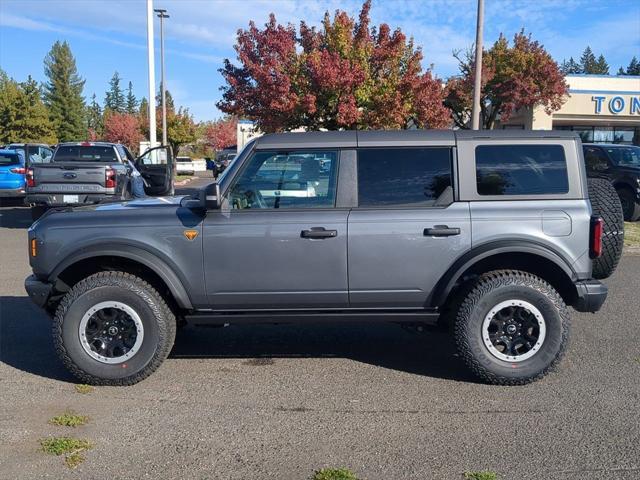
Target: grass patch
{"points": [[69, 419], [84, 388], [481, 475], [632, 234], [334, 474], [180, 178], [64, 445]]}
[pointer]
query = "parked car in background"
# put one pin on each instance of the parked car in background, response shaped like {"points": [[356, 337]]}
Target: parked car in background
{"points": [[620, 164], [81, 173], [12, 174], [184, 166], [33, 152]]}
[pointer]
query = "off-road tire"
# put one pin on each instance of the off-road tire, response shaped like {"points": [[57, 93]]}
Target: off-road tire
{"points": [[37, 211], [630, 207], [157, 318], [489, 290], [606, 204]]}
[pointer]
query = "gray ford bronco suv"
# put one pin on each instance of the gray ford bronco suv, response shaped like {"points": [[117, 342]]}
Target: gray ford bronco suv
{"points": [[491, 233]]}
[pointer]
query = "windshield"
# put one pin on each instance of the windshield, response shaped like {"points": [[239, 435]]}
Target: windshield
{"points": [[79, 153], [625, 156], [9, 159]]}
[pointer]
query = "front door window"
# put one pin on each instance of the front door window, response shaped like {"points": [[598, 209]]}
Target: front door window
{"points": [[286, 180]]}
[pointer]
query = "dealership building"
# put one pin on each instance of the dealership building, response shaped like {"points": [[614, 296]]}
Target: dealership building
{"points": [[600, 108]]}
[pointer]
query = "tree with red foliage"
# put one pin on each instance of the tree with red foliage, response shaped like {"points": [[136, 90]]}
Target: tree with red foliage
{"points": [[122, 128], [513, 77], [345, 75], [221, 133]]}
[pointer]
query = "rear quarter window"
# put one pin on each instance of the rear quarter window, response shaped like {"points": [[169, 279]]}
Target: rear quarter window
{"points": [[521, 170]]}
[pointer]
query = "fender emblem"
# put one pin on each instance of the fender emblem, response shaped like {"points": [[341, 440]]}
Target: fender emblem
{"points": [[190, 234]]}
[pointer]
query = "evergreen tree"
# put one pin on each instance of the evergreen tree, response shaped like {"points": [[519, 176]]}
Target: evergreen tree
{"points": [[601, 66], [36, 126], [23, 116], [570, 67], [114, 100], [95, 120], [168, 98], [63, 93], [588, 61], [621, 71], [633, 68], [132, 101], [143, 117]]}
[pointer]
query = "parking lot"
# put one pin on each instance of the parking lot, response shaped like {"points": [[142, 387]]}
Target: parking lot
{"points": [[278, 402]]}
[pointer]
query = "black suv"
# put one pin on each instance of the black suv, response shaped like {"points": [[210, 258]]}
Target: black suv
{"points": [[620, 164]]}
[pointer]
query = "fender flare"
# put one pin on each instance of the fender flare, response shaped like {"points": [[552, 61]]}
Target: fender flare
{"points": [[131, 252], [463, 263]]}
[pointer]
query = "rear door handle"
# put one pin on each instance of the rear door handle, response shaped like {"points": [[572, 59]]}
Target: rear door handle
{"points": [[441, 231], [318, 232]]}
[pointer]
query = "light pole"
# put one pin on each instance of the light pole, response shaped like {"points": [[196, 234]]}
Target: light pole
{"points": [[152, 76], [162, 14], [477, 78]]}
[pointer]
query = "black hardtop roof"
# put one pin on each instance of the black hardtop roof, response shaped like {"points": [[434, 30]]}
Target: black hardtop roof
{"points": [[395, 138]]}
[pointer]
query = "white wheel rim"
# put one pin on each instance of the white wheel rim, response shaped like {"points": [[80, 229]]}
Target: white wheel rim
{"points": [[89, 340], [505, 334]]}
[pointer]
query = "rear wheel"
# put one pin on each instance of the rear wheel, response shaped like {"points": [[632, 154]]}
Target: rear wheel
{"points": [[605, 203], [113, 328], [511, 328]]}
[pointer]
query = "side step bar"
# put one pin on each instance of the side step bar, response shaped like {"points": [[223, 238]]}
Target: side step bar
{"points": [[221, 317]]}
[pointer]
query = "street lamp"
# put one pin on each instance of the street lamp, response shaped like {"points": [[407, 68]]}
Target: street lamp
{"points": [[162, 14], [152, 76], [477, 80]]}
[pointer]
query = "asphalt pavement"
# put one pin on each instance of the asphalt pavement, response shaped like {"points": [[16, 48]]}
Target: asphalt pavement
{"points": [[278, 402]]}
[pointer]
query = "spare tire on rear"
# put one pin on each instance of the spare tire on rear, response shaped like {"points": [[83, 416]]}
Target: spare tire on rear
{"points": [[606, 204]]}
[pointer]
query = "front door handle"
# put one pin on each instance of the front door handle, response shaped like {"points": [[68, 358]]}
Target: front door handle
{"points": [[441, 231], [318, 232]]}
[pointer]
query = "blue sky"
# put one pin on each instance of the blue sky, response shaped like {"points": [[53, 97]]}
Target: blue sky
{"points": [[109, 35]]}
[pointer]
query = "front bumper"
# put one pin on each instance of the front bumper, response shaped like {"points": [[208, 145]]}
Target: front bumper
{"points": [[591, 295], [12, 192], [38, 291]]}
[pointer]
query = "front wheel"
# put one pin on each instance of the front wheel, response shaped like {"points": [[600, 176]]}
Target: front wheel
{"points": [[511, 328], [113, 328]]}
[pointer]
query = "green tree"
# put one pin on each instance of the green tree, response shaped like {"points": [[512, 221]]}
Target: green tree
{"points": [[181, 129], [570, 67], [632, 69], [23, 116], [114, 99], [143, 117], [95, 119], [601, 66], [63, 93], [588, 61], [132, 101]]}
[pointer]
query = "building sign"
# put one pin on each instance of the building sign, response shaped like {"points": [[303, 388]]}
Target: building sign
{"points": [[617, 104]]}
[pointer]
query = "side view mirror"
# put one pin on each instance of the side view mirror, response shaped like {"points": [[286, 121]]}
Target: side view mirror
{"points": [[212, 200], [195, 202]]}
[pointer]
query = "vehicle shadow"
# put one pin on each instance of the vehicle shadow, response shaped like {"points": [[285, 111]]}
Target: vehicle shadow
{"points": [[25, 339], [14, 215], [385, 345], [25, 344]]}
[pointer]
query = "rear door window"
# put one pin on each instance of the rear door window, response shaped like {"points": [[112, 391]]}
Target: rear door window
{"points": [[521, 170], [409, 177], [9, 159]]}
